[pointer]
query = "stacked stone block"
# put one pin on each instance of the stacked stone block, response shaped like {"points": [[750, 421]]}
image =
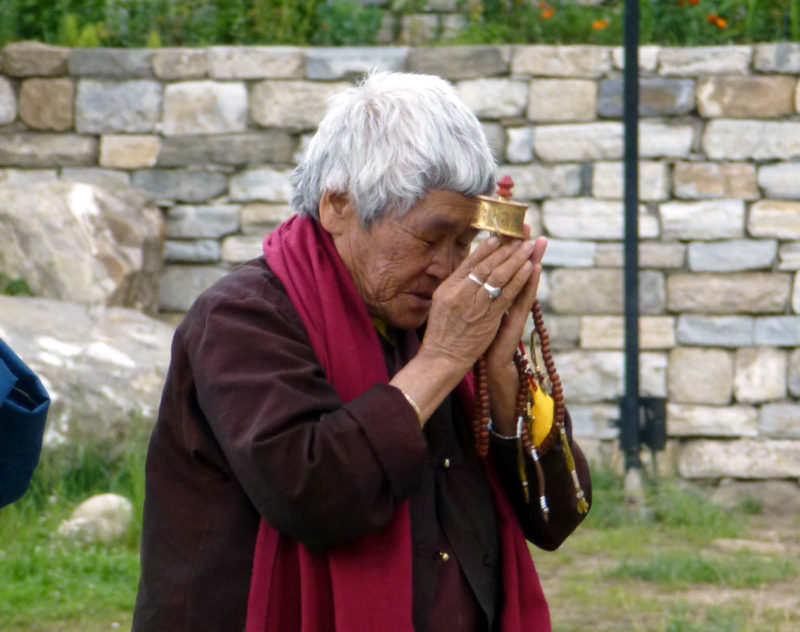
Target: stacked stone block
{"points": [[213, 134]]}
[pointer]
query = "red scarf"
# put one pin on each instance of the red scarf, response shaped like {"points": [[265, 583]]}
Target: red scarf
{"points": [[366, 585]]}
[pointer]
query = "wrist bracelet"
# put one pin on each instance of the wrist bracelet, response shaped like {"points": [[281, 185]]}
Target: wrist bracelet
{"points": [[414, 405], [496, 434]]}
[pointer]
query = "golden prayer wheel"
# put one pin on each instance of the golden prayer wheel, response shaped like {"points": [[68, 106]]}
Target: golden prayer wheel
{"points": [[500, 215]]}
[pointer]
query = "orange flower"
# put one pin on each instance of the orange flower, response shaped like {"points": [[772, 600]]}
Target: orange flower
{"points": [[694, 1], [542, 5], [547, 13], [598, 25], [721, 23], [712, 18]]}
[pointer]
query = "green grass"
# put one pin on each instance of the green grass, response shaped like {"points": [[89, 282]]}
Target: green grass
{"points": [[46, 581], [680, 569], [650, 572]]}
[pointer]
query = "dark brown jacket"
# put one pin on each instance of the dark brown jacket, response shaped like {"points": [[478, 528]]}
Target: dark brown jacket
{"points": [[249, 427]]}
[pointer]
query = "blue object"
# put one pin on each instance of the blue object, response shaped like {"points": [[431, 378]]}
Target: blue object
{"points": [[24, 403]]}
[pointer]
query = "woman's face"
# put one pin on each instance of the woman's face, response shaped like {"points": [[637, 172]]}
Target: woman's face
{"points": [[397, 263]]}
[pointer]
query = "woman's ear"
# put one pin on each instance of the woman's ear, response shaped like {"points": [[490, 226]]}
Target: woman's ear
{"points": [[335, 212]]}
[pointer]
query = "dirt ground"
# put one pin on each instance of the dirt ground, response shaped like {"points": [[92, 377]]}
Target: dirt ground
{"points": [[603, 604]]}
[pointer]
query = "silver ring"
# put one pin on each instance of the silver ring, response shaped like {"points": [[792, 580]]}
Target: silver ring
{"points": [[475, 279], [494, 292]]}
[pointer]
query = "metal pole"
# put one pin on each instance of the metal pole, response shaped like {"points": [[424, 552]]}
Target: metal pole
{"points": [[629, 430]]}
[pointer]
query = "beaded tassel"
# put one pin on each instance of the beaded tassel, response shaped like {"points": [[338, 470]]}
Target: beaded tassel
{"points": [[582, 506], [529, 448], [558, 398], [521, 411]]}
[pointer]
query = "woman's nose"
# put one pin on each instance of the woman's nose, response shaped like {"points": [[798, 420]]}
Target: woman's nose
{"points": [[443, 262]]}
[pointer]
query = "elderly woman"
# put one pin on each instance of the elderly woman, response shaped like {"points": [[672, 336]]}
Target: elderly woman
{"points": [[312, 466]]}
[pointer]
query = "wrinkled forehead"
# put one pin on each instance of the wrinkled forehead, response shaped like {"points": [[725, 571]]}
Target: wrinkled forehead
{"points": [[442, 211]]}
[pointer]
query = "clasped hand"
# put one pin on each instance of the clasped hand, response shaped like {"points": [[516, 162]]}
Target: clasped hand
{"points": [[469, 318]]}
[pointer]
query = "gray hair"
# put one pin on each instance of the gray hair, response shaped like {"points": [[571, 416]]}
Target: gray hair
{"points": [[388, 141]]}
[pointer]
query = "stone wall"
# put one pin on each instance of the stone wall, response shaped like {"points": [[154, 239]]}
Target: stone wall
{"points": [[214, 133]]}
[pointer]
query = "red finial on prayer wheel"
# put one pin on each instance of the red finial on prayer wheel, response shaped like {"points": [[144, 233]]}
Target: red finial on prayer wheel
{"points": [[504, 186]]}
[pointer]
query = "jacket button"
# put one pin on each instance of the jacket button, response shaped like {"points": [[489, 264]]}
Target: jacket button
{"points": [[444, 556], [446, 464]]}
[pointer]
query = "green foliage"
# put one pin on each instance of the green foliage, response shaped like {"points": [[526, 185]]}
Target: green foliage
{"points": [[682, 22], [13, 287], [284, 21], [664, 22], [136, 23], [556, 22], [153, 39], [347, 24]]}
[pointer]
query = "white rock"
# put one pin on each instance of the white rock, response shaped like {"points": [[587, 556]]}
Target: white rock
{"points": [[744, 458], [561, 61], [266, 184], [700, 376], [205, 107], [104, 367], [82, 243], [778, 219], [665, 139], [608, 332], [702, 60], [708, 219], [587, 218], [608, 183], [8, 102], [291, 104], [104, 518], [255, 62], [648, 57], [553, 100], [578, 142], [495, 98], [756, 140], [760, 374], [781, 420], [535, 182], [519, 144], [569, 254], [711, 421], [590, 376], [780, 181], [716, 293], [732, 255]]}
